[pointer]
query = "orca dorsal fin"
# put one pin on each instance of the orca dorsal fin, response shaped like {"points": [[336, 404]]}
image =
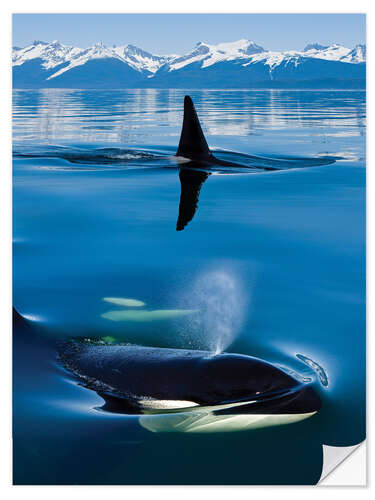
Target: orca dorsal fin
{"points": [[192, 143]]}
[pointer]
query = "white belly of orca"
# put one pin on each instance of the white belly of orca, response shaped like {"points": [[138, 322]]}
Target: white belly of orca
{"points": [[206, 422], [180, 390]]}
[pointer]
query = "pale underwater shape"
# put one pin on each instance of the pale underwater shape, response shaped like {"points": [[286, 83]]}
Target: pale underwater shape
{"points": [[207, 421], [122, 301], [144, 315], [187, 416]]}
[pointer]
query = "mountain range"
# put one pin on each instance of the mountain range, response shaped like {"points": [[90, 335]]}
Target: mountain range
{"points": [[239, 64]]}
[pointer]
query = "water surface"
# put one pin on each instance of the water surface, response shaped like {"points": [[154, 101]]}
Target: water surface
{"points": [[273, 260]]}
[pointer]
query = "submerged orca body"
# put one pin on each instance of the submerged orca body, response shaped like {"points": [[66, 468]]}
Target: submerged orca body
{"points": [[188, 384]]}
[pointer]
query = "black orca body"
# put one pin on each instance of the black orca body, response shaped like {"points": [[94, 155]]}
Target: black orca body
{"points": [[17, 319], [193, 146], [149, 380]]}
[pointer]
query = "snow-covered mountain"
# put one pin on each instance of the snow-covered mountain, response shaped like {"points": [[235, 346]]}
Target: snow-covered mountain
{"points": [[244, 64], [336, 53], [212, 54], [356, 55], [247, 52], [54, 54], [241, 63]]}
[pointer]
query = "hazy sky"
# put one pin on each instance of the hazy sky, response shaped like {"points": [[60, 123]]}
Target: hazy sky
{"points": [[178, 33]]}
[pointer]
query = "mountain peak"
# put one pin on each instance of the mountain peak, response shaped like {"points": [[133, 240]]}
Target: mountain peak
{"points": [[357, 55], [57, 59], [133, 49], [39, 42], [99, 45], [201, 45], [316, 46]]}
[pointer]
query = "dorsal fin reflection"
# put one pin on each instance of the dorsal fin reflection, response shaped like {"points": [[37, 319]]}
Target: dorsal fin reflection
{"points": [[191, 184], [193, 146]]}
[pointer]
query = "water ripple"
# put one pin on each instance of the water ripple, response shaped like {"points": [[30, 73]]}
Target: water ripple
{"points": [[319, 370], [122, 158]]}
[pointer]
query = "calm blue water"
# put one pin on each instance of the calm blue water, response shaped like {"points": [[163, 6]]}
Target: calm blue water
{"points": [[273, 260]]}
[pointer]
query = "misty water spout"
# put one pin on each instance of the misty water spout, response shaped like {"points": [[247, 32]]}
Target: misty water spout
{"points": [[219, 297]]}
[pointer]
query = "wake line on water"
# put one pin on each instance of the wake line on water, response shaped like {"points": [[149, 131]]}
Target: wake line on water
{"points": [[95, 158], [122, 159]]}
